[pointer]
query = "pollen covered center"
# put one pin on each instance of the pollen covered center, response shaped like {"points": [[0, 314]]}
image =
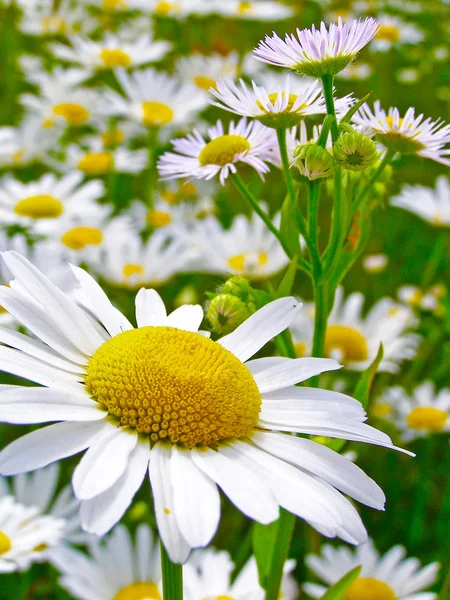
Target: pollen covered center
{"points": [[80, 237], [96, 163], [156, 113], [222, 150], [139, 591], [174, 385], [5, 543], [41, 206], [427, 418], [348, 341], [115, 58], [367, 588], [74, 114]]}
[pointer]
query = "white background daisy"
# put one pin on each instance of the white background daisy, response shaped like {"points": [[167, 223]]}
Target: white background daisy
{"points": [[394, 32], [204, 71], [270, 10], [431, 205]]}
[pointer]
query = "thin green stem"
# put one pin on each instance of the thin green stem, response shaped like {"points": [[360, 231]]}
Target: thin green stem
{"points": [[172, 577], [435, 259], [362, 195], [321, 292], [328, 84], [281, 134], [152, 146], [337, 228], [313, 227], [282, 544]]}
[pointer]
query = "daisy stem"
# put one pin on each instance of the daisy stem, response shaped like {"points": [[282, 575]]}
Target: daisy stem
{"points": [[285, 530], [172, 577], [152, 177], [327, 84], [321, 293], [313, 227], [281, 134], [362, 195]]}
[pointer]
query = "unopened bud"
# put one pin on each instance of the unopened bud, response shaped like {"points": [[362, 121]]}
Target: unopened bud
{"points": [[226, 312], [355, 151], [314, 162]]}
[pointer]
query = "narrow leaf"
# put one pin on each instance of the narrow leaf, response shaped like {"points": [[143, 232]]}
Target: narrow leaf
{"points": [[362, 391], [288, 227], [264, 538], [347, 117], [285, 287], [339, 589], [326, 126]]}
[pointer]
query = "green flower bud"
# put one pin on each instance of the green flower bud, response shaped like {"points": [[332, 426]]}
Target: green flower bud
{"points": [[238, 286], [226, 312], [355, 151], [314, 162]]}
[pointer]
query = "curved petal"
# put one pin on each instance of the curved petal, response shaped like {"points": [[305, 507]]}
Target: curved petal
{"points": [[292, 371], [150, 309], [188, 317]]}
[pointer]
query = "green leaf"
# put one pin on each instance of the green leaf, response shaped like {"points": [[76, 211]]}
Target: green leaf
{"points": [[263, 540], [346, 118], [285, 287], [362, 391], [288, 227], [327, 122], [339, 589]]}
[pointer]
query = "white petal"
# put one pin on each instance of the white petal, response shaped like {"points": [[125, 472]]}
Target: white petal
{"points": [[243, 487], [26, 405], [103, 463], [196, 499], [169, 532], [292, 371], [150, 309], [261, 327], [42, 447], [101, 513], [188, 317]]}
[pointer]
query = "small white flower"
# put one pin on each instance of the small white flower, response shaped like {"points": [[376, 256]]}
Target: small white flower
{"points": [[426, 300], [387, 577], [317, 52], [375, 263], [27, 143], [205, 71], [394, 32], [431, 205], [356, 72], [408, 134], [194, 157], [44, 19], [270, 10]]}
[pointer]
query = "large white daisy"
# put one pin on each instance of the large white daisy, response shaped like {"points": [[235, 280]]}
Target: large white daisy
{"points": [[194, 413]]}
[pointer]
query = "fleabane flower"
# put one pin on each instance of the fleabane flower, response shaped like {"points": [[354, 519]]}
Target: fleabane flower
{"points": [[194, 413], [219, 153], [388, 577], [395, 32], [204, 71], [423, 413], [431, 205], [318, 52], [408, 134]]}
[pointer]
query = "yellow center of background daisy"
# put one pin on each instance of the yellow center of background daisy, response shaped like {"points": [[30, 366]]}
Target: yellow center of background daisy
{"points": [[80, 237], [131, 269], [74, 114], [244, 8], [222, 150], [291, 101], [390, 33], [367, 588], [96, 163], [174, 385], [159, 218], [113, 4], [348, 341], [427, 418], [382, 409], [115, 58], [300, 349], [156, 113], [41, 206], [5, 543], [239, 261], [204, 83], [139, 591], [54, 23], [113, 137]]}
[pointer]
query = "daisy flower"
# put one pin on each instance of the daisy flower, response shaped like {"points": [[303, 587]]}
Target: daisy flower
{"points": [[214, 418], [118, 568], [375, 263], [25, 535], [163, 215], [426, 300], [356, 72], [424, 413], [154, 99], [318, 52], [431, 205], [394, 32], [247, 248], [250, 143], [27, 143], [204, 71], [252, 9], [408, 134], [173, 8], [207, 574], [354, 339], [111, 52], [44, 19], [387, 577], [49, 197]]}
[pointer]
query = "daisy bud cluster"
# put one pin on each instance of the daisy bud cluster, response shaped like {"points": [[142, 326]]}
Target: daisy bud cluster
{"points": [[314, 162], [233, 303]]}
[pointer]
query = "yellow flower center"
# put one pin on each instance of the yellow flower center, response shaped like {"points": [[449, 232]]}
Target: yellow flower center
{"points": [[54, 24], [427, 418], [367, 588], [113, 137], [291, 101], [416, 298], [80, 237], [17, 157], [5, 543], [218, 598], [139, 591], [243, 262], [348, 341], [170, 197], [204, 83], [382, 409], [300, 349], [188, 190], [115, 58], [156, 113], [42, 206], [165, 8], [244, 8], [74, 114], [96, 163], [114, 4], [47, 123], [132, 269], [40, 548], [223, 150], [390, 33], [159, 218], [174, 385]]}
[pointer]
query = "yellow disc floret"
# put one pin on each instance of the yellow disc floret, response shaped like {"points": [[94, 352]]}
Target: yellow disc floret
{"points": [[348, 341], [96, 163], [80, 237], [159, 218], [165, 8], [388, 33], [5, 543], [115, 58], [427, 418], [367, 588], [41, 206], [222, 150], [139, 591], [74, 114], [174, 385], [204, 83], [156, 113]]}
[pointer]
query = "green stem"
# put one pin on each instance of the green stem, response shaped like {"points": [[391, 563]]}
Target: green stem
{"points": [[281, 134], [337, 228], [282, 544], [419, 513], [152, 146], [435, 260], [362, 195], [172, 577], [313, 227], [321, 293], [327, 84]]}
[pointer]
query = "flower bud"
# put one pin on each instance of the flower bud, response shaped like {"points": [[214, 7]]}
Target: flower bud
{"points": [[313, 161], [355, 151], [231, 306]]}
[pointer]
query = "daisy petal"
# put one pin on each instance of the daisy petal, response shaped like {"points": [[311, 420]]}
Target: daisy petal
{"points": [[292, 371], [150, 309], [188, 317]]}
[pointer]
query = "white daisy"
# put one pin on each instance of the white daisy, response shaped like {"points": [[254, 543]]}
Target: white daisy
{"points": [[163, 215], [27, 143], [49, 197], [60, 77], [388, 577], [214, 418], [317, 52], [356, 72], [354, 339], [394, 32], [247, 248], [160, 8], [375, 263], [425, 412], [204, 71], [207, 574], [45, 18], [426, 300], [111, 52], [270, 10], [431, 205], [249, 143], [408, 134], [118, 568], [154, 99]]}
